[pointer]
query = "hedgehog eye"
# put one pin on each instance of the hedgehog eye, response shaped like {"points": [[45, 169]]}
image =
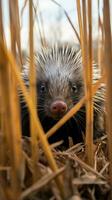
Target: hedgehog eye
{"points": [[74, 88], [43, 88]]}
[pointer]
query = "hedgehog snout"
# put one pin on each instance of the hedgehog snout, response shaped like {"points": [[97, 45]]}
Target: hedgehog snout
{"points": [[58, 107]]}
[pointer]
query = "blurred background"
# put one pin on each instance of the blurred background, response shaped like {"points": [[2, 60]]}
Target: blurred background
{"points": [[51, 22]]}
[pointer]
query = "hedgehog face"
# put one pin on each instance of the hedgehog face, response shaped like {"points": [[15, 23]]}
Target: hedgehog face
{"points": [[59, 89], [60, 80]]}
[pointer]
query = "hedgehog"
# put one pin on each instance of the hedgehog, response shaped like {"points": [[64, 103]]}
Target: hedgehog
{"points": [[60, 86]]}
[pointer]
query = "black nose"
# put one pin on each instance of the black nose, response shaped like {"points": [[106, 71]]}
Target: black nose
{"points": [[58, 107]]}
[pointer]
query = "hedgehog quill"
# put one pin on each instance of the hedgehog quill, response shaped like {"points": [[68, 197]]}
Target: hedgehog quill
{"points": [[60, 85]]}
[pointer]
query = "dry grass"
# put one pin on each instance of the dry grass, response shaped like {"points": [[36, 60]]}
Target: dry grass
{"points": [[31, 168]]}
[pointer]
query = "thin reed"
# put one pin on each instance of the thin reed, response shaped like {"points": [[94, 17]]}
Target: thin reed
{"points": [[108, 69]]}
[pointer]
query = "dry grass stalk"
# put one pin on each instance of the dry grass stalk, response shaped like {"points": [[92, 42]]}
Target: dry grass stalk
{"points": [[41, 183], [2, 116], [22, 12], [15, 30], [18, 36], [40, 25], [45, 145], [33, 95], [100, 43], [15, 39], [10, 115], [80, 24], [108, 65], [83, 164], [1, 23], [87, 63], [8, 131], [3, 130], [41, 33], [66, 14], [89, 104], [24, 5], [88, 85], [2, 146]]}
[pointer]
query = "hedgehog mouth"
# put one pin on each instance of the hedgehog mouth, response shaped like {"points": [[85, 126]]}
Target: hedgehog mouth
{"points": [[57, 116]]}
